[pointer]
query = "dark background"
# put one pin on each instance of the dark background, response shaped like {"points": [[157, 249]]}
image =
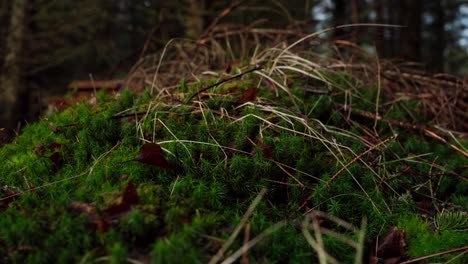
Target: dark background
{"points": [[46, 44]]}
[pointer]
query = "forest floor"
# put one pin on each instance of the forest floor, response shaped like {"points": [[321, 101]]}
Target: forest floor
{"points": [[293, 161]]}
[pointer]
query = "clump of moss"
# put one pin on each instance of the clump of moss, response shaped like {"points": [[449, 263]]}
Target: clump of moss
{"points": [[299, 147]]}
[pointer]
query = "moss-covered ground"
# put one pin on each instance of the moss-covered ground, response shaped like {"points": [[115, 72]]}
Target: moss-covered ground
{"points": [[246, 169]]}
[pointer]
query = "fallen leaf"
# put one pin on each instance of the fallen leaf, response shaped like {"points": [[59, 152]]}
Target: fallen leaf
{"points": [[392, 248], [56, 159], [130, 194], [7, 198], [267, 151], [152, 154], [228, 68], [249, 95], [55, 145], [6, 136], [129, 198], [40, 149], [54, 128], [98, 222], [117, 209]]}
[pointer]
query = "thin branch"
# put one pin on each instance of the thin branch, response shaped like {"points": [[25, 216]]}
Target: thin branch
{"points": [[358, 157], [416, 260], [256, 68]]}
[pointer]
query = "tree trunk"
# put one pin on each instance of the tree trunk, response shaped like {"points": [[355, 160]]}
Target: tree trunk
{"points": [[339, 18], [194, 23], [11, 75], [379, 33], [438, 41], [411, 16], [355, 20]]}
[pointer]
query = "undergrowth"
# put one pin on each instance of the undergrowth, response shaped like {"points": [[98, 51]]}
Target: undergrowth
{"points": [[315, 156]]}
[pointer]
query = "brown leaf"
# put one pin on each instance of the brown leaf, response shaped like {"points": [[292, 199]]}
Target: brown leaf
{"points": [[249, 95], [129, 198], [6, 135], [130, 194], [55, 156], [7, 198], [267, 150], [40, 149], [57, 161], [55, 145], [117, 209], [392, 248], [228, 68], [152, 154], [97, 222]]}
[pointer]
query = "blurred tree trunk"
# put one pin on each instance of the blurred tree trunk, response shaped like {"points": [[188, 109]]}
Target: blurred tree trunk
{"points": [[438, 41], [410, 41], [11, 75], [194, 23], [339, 18], [355, 20], [379, 33]]}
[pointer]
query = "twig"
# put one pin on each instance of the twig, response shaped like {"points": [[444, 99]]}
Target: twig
{"points": [[421, 128], [360, 156], [241, 224], [148, 40], [89, 171], [222, 15], [245, 257], [441, 139], [256, 68], [201, 41], [465, 248], [289, 174], [254, 241]]}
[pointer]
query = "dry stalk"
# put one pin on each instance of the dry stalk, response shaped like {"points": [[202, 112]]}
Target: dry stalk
{"points": [[359, 157]]}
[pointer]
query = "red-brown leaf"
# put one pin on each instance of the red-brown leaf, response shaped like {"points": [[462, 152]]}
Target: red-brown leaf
{"points": [[129, 197], [267, 150], [97, 222], [55, 145], [55, 156], [249, 95], [392, 248], [130, 194], [152, 154], [117, 209], [6, 136], [56, 159], [228, 68], [7, 198], [40, 149]]}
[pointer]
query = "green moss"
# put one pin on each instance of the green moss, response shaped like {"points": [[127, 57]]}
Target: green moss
{"points": [[422, 240], [222, 161]]}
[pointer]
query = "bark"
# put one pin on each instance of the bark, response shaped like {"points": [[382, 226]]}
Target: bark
{"points": [[194, 23], [439, 41], [411, 16], [339, 17], [379, 37], [11, 76], [355, 20]]}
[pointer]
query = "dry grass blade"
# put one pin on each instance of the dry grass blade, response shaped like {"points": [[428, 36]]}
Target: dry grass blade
{"points": [[239, 227], [253, 242], [417, 260], [315, 218], [359, 157]]}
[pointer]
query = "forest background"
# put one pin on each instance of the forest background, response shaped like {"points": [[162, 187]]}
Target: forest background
{"points": [[44, 45]]}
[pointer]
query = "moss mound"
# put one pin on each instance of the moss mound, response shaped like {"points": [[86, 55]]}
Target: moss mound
{"points": [[256, 162]]}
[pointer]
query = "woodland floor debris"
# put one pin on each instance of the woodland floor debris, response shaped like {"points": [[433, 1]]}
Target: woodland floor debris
{"points": [[326, 161]]}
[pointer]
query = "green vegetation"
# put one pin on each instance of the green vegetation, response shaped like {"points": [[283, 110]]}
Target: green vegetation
{"points": [[68, 182]]}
